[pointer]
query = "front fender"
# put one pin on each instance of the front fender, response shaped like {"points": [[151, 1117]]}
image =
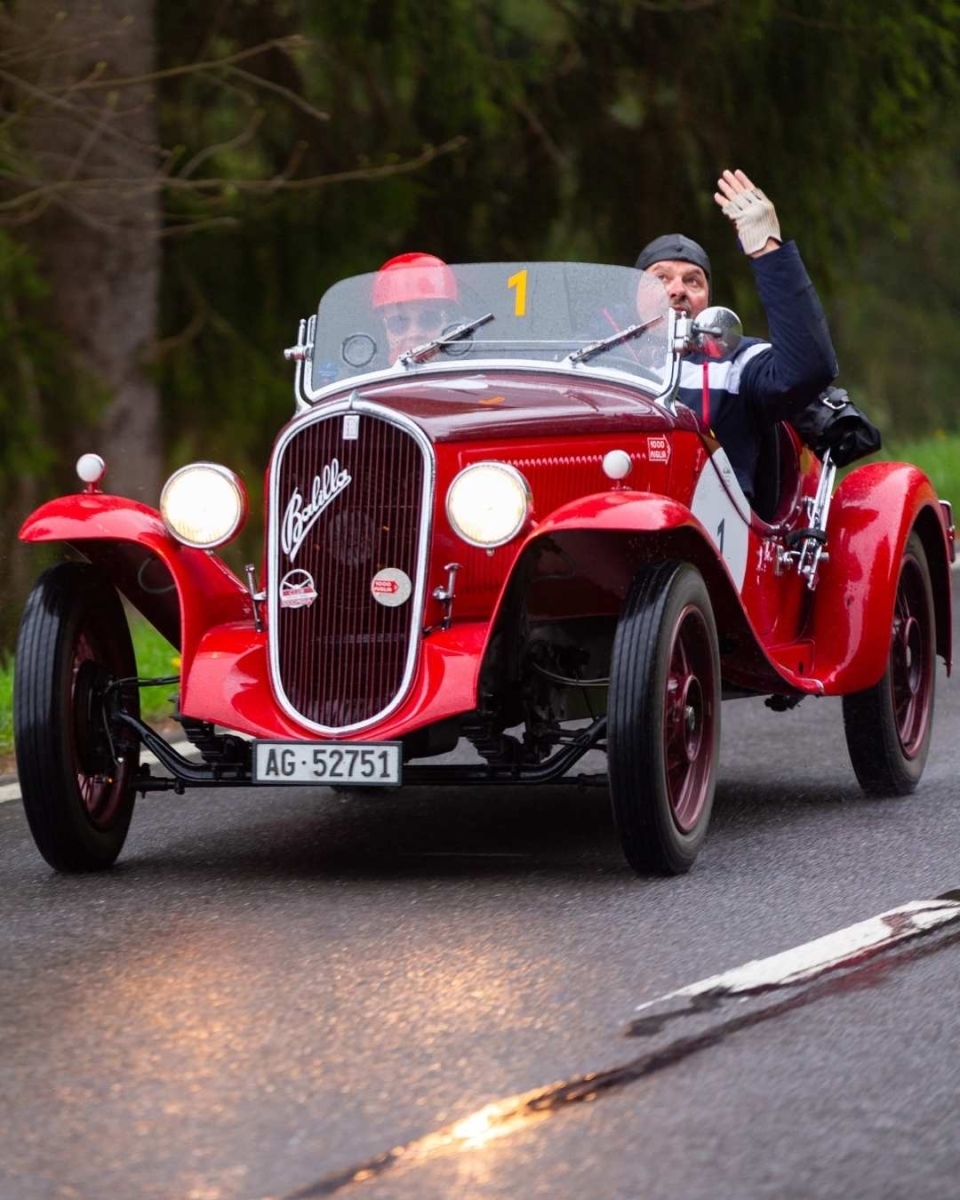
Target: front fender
{"points": [[602, 541], [179, 590], [619, 511], [588, 528], [874, 510]]}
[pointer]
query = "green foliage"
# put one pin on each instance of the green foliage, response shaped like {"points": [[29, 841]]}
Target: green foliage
{"points": [[6, 705], [895, 315], [22, 341], [587, 127], [937, 456], [155, 658]]}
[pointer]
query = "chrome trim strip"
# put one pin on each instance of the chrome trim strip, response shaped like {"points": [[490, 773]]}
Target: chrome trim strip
{"points": [[520, 365], [353, 403]]}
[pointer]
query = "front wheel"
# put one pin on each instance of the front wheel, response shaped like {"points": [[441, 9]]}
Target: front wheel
{"points": [[888, 726], [74, 642], [663, 718]]}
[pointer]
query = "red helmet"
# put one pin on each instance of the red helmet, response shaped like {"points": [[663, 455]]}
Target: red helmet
{"points": [[413, 277]]}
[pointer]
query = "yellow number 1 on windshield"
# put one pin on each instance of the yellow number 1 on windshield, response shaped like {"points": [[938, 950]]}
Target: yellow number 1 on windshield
{"points": [[519, 281]]}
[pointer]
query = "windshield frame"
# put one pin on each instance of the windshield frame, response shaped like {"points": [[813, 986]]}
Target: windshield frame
{"points": [[306, 396]]}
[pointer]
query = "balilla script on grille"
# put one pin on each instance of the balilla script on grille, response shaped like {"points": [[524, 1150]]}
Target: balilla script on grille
{"points": [[300, 518]]}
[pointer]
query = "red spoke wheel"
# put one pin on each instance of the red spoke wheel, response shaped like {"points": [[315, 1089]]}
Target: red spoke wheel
{"points": [[663, 718], [73, 643], [888, 726]]}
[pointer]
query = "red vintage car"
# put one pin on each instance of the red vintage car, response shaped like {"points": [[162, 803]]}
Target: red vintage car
{"points": [[488, 519]]}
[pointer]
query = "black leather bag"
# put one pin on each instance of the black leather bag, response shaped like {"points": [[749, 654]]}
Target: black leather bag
{"points": [[834, 423]]}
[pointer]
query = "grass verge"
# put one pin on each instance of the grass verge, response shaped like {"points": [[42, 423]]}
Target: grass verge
{"points": [[155, 657], [938, 457], [6, 705]]}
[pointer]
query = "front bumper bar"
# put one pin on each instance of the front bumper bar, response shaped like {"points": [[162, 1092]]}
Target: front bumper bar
{"points": [[184, 773]]}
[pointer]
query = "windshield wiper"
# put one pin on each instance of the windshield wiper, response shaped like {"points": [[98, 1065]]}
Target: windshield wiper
{"points": [[625, 335], [419, 353]]}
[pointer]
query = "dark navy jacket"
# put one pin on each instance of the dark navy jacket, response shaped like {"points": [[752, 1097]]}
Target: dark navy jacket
{"points": [[765, 382]]}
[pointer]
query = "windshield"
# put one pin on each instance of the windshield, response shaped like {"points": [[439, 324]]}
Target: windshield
{"points": [[403, 317]]}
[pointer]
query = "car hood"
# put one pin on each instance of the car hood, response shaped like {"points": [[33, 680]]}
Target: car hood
{"points": [[491, 405]]}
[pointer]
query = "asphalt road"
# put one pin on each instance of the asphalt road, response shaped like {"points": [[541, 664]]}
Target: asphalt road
{"points": [[276, 987]]}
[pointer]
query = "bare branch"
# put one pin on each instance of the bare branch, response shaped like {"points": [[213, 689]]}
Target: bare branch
{"points": [[293, 162], [815, 23], [674, 6], [193, 327], [85, 116], [221, 81], [44, 50], [244, 136], [294, 41], [172, 231], [277, 183], [288, 93], [538, 127], [359, 174]]}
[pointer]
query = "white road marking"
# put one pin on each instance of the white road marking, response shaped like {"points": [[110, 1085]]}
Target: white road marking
{"points": [[10, 791], [844, 948]]}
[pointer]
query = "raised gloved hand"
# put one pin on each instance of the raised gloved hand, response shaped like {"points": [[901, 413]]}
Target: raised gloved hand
{"points": [[752, 214]]}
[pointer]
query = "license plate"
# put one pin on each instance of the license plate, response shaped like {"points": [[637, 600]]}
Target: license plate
{"points": [[366, 764]]}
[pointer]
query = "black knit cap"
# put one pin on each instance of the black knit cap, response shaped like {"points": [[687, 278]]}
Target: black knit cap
{"points": [[673, 246]]}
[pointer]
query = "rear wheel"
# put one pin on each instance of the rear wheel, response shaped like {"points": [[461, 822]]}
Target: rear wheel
{"points": [[663, 718], [73, 643], [888, 726]]}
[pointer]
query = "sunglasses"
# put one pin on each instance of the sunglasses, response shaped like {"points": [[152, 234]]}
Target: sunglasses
{"points": [[424, 320]]}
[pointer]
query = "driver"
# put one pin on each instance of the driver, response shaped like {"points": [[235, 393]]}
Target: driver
{"points": [[761, 382], [416, 295]]}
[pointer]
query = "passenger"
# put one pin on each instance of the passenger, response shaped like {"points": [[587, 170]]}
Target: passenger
{"points": [[761, 382], [417, 298]]}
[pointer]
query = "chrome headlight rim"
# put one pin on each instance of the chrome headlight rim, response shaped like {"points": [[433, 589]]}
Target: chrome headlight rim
{"points": [[242, 504], [518, 478]]}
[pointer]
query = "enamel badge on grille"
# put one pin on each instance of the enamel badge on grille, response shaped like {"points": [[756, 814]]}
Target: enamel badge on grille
{"points": [[297, 590], [391, 587]]}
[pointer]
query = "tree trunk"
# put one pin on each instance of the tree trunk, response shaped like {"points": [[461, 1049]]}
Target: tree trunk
{"points": [[94, 154]]}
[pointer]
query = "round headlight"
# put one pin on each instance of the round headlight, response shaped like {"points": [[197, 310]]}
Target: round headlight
{"points": [[488, 503], [203, 505]]}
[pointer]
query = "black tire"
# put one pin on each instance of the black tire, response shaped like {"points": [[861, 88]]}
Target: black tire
{"points": [[663, 719], [73, 640], [888, 726]]}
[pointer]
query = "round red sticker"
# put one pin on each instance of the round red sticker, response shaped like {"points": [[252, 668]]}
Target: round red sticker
{"points": [[391, 587]]}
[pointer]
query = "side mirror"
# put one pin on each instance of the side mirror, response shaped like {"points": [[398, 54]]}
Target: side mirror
{"points": [[716, 332]]}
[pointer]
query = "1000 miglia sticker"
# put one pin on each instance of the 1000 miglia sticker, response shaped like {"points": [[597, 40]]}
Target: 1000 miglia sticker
{"points": [[391, 587]]}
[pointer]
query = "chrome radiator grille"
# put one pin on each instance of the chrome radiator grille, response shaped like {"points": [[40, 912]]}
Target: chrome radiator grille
{"points": [[351, 493]]}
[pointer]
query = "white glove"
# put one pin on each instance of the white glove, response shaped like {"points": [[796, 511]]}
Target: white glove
{"points": [[755, 219]]}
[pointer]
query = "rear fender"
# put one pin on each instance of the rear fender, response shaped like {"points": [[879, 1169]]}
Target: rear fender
{"points": [[580, 561], [181, 591], [874, 510]]}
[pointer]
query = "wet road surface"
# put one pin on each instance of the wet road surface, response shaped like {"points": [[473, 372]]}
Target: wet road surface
{"points": [[276, 987]]}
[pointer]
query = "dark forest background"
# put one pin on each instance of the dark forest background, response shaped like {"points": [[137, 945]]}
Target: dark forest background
{"points": [[180, 182]]}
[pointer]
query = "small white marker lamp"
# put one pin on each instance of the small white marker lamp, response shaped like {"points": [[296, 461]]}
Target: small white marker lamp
{"points": [[91, 468], [617, 465]]}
